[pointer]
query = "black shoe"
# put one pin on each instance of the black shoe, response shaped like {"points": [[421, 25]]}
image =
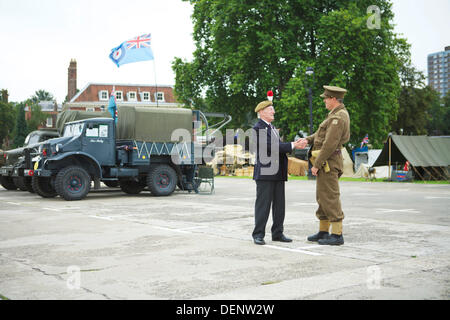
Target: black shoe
{"points": [[281, 238], [333, 240], [259, 241], [318, 236]]}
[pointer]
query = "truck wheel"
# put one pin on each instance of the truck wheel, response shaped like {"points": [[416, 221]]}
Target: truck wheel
{"points": [[43, 187], [72, 183], [162, 180], [8, 183], [131, 186], [20, 183], [28, 184]]}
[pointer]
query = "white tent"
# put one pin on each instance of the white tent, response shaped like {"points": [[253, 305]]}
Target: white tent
{"points": [[348, 164]]}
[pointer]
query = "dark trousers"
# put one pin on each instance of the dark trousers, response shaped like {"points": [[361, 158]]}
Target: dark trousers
{"points": [[269, 194]]}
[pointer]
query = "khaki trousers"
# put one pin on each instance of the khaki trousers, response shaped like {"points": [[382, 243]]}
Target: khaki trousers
{"points": [[327, 191]]}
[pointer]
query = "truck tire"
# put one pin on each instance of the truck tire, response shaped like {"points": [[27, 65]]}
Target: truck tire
{"points": [[162, 180], [20, 183], [7, 183], [131, 186], [72, 183], [28, 184], [43, 187]]}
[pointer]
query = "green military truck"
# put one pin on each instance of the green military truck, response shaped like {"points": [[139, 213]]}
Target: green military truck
{"points": [[11, 173], [141, 150]]}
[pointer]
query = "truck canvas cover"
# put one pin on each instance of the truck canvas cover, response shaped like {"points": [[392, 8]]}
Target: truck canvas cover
{"points": [[74, 115], [152, 124]]}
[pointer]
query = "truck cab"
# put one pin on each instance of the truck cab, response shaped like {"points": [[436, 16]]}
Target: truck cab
{"points": [[94, 137], [12, 174]]}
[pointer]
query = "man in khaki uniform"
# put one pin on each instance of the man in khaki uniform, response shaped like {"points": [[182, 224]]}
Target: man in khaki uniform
{"points": [[326, 143]]}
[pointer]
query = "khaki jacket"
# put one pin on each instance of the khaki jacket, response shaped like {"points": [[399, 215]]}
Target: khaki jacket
{"points": [[333, 132]]}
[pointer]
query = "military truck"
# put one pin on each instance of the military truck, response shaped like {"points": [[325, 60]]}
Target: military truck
{"points": [[11, 174], [139, 151]]}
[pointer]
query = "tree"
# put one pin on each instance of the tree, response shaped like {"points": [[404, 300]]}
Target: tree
{"points": [[7, 116], [244, 48], [42, 95], [439, 115], [420, 109], [37, 118], [20, 129], [4, 95]]}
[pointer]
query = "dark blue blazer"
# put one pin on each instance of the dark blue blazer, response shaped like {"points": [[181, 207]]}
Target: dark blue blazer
{"points": [[263, 129]]}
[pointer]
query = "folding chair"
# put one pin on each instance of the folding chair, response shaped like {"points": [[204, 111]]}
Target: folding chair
{"points": [[204, 179]]}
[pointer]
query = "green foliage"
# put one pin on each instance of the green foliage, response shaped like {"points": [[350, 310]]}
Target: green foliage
{"points": [[37, 118], [7, 116], [4, 95], [244, 48], [415, 108], [41, 95], [439, 114], [20, 129]]}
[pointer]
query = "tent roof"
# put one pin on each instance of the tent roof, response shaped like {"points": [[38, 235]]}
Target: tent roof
{"points": [[420, 151]]}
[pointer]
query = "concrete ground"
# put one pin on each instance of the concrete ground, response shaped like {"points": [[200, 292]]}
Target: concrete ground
{"points": [[197, 246]]}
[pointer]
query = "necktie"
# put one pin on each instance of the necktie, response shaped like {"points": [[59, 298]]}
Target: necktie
{"points": [[274, 130]]}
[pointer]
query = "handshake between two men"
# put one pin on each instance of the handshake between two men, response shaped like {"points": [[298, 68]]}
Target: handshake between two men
{"points": [[300, 143]]}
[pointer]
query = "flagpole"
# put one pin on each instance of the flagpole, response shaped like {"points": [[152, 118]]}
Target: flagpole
{"points": [[156, 83]]}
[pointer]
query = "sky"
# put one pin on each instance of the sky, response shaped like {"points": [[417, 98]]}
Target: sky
{"points": [[40, 37]]}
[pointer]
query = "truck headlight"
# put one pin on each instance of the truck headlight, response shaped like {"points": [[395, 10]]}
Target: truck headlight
{"points": [[59, 147]]}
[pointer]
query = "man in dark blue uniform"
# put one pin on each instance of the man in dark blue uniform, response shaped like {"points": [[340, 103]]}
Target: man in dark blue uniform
{"points": [[270, 174]]}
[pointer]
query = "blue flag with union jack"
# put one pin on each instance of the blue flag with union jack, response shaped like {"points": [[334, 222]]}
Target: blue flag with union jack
{"points": [[134, 50]]}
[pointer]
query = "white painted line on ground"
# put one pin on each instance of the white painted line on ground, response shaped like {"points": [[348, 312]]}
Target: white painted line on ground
{"points": [[293, 250], [195, 227], [239, 199], [102, 218], [310, 247], [14, 203], [170, 229], [397, 210], [430, 197]]}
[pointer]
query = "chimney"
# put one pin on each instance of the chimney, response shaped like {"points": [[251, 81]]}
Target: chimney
{"points": [[72, 79]]}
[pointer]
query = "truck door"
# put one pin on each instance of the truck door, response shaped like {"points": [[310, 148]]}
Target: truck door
{"points": [[98, 141]]}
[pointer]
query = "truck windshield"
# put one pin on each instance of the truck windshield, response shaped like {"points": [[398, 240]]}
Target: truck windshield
{"points": [[33, 139], [72, 130]]}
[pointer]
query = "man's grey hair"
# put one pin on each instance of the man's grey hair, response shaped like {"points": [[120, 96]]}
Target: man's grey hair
{"points": [[340, 100]]}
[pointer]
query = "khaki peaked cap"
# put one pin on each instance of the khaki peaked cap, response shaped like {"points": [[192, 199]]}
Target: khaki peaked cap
{"points": [[331, 91], [263, 105]]}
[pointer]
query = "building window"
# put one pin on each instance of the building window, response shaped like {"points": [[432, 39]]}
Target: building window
{"points": [[103, 95], [90, 109], [49, 122], [132, 96], [119, 96], [145, 96], [159, 96]]}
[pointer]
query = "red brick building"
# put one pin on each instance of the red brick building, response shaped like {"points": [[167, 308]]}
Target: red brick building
{"points": [[95, 96]]}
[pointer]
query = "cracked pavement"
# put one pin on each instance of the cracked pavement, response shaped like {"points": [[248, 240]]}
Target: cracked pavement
{"points": [[197, 246]]}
